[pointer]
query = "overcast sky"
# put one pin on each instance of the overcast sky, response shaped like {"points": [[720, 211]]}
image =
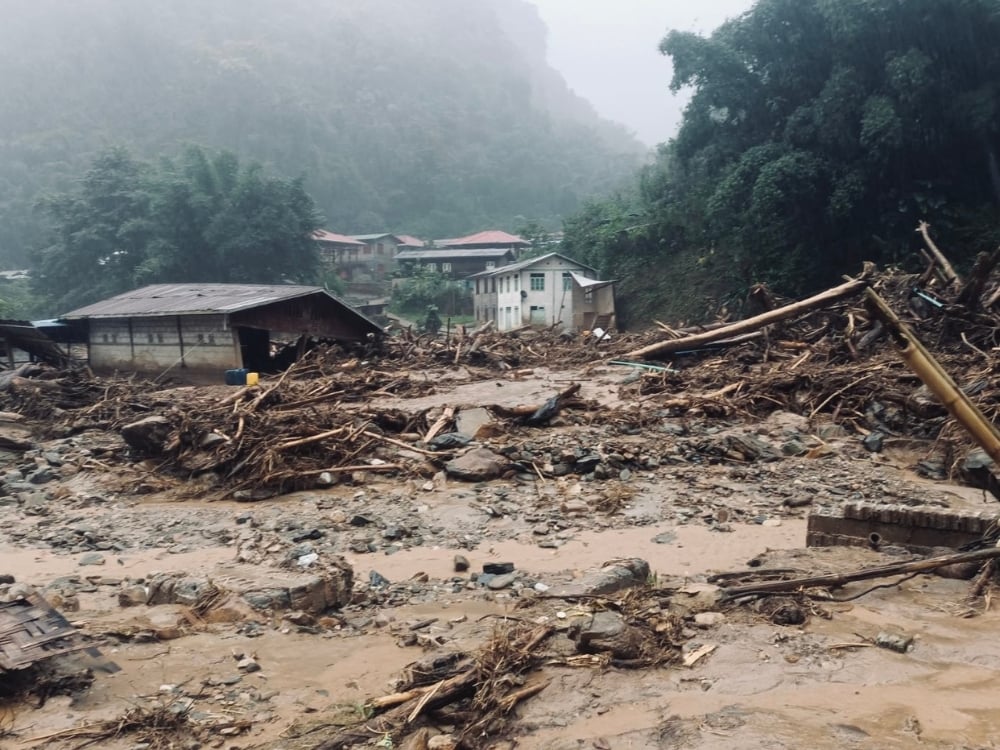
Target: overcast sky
{"points": [[607, 51]]}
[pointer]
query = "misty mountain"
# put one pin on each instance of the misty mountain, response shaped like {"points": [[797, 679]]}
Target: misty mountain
{"points": [[432, 118]]}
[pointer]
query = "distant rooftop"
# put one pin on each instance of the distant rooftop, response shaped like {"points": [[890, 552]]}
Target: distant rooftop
{"points": [[409, 240], [492, 237], [321, 235], [445, 253]]}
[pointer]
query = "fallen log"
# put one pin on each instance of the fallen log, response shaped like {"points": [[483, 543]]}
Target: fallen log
{"points": [[882, 571], [947, 270], [837, 293]]}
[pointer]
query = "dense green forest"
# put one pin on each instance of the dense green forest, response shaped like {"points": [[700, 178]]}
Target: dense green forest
{"points": [[429, 118], [198, 218], [819, 133]]}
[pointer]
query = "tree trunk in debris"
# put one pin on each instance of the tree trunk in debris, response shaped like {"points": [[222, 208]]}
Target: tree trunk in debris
{"points": [[847, 289], [883, 571]]}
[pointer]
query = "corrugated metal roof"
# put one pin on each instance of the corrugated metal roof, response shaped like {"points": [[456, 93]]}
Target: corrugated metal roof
{"points": [[190, 299], [321, 235], [409, 240], [584, 283], [432, 253], [489, 237], [370, 237], [532, 261]]}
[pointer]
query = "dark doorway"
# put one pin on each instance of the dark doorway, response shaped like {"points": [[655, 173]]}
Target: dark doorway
{"points": [[255, 349]]}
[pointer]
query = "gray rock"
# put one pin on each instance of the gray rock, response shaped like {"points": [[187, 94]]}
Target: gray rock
{"points": [[894, 641], [326, 479], [478, 465], [248, 665], [615, 575], [874, 442], [708, 619], [461, 563], [42, 476], [602, 625], [91, 558], [501, 581], [148, 435]]}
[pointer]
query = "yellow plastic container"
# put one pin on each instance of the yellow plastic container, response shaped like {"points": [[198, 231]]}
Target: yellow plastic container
{"points": [[253, 378]]}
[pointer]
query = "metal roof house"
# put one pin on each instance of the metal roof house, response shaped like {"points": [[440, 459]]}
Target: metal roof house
{"points": [[454, 262], [550, 290], [202, 330]]}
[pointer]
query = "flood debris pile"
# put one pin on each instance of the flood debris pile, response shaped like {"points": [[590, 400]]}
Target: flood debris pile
{"points": [[832, 357]]}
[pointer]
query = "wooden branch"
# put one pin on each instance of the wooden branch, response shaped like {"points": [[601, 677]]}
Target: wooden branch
{"points": [[446, 416], [847, 289], [883, 571], [946, 268], [307, 440], [399, 444]]}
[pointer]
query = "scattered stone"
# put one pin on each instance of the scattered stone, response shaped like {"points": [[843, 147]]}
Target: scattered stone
{"points": [[708, 619], [894, 641], [247, 665], [498, 568], [360, 520], [132, 595], [615, 575], [874, 442], [461, 563], [92, 558], [326, 479], [665, 537], [478, 465], [377, 581], [501, 581], [442, 742]]}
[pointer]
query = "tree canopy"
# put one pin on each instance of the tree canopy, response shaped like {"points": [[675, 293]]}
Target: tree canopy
{"points": [[434, 119], [818, 134], [201, 217]]}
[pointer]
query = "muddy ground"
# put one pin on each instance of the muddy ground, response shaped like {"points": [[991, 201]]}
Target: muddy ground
{"points": [[261, 677]]}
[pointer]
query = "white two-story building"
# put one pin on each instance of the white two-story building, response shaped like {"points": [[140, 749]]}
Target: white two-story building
{"points": [[549, 291]]}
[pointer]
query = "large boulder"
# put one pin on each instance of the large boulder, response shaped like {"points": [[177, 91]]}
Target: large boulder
{"points": [[149, 435], [616, 575]]}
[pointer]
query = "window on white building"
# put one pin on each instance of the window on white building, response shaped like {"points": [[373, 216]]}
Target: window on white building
{"points": [[490, 265], [432, 267], [446, 267], [567, 281], [538, 282]]}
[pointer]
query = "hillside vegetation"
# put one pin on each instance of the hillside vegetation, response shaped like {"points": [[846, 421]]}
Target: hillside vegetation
{"points": [[818, 136], [431, 118]]}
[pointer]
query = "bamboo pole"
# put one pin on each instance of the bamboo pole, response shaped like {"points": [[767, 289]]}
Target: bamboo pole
{"points": [[937, 380], [847, 289]]}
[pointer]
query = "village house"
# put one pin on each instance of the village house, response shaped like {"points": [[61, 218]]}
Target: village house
{"points": [[198, 331], [455, 263], [551, 290], [340, 252]]}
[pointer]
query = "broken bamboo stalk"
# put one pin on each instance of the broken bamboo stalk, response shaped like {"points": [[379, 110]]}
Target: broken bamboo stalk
{"points": [[865, 574], [937, 380], [946, 268], [837, 293]]}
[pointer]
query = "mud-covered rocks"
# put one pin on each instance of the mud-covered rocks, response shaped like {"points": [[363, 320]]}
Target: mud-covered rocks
{"points": [[478, 465], [616, 575], [148, 436]]}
